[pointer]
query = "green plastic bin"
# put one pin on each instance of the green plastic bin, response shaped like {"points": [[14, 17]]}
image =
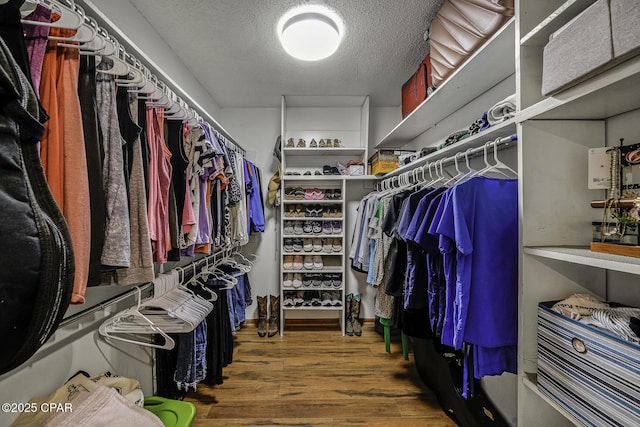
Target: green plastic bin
{"points": [[172, 413]]}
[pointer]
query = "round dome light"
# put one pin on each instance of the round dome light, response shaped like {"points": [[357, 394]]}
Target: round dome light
{"points": [[310, 33]]}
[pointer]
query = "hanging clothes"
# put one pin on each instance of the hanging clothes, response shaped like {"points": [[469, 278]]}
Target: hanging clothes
{"points": [[36, 39], [63, 151], [159, 180], [116, 251], [140, 268], [95, 155]]}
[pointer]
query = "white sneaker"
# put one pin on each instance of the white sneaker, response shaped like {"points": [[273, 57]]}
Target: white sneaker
{"points": [[287, 283]]}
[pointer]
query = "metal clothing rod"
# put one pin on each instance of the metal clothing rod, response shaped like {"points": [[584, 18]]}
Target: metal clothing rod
{"points": [[445, 161], [167, 81]]}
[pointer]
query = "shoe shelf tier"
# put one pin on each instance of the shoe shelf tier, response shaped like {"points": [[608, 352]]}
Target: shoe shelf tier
{"points": [[313, 253], [333, 151], [311, 202], [320, 270], [312, 218], [310, 236], [316, 308]]}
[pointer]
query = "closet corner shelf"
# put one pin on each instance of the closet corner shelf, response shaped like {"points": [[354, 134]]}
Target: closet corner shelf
{"points": [[539, 36], [321, 151], [530, 380], [501, 130], [584, 256], [488, 66], [604, 95]]}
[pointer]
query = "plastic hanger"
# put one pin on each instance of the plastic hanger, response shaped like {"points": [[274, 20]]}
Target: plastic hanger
{"points": [[125, 324], [69, 18], [118, 66], [85, 33], [498, 167]]}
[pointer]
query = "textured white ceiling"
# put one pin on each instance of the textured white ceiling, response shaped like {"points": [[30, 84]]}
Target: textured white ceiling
{"points": [[232, 48]]}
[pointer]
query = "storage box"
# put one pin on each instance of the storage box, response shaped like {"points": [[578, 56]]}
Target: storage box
{"points": [[355, 170], [383, 161], [579, 50], [625, 16], [590, 373]]}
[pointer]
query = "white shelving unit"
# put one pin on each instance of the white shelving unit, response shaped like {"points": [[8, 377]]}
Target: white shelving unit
{"points": [[319, 117], [472, 79], [554, 135]]}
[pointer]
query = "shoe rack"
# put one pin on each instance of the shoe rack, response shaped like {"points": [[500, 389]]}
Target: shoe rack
{"points": [[321, 136], [312, 269]]}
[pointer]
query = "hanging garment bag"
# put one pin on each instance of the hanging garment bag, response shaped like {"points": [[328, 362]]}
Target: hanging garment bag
{"points": [[36, 259]]}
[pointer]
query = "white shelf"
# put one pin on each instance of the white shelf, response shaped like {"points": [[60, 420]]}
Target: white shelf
{"points": [[530, 381], [310, 236], [487, 67], [539, 36], [312, 288], [313, 253], [311, 218], [323, 270], [317, 308], [603, 96], [329, 177], [333, 151], [584, 256], [310, 202], [501, 130]]}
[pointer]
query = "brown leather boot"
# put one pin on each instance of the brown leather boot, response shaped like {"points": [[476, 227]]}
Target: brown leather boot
{"points": [[274, 315], [348, 326], [355, 314], [262, 316]]}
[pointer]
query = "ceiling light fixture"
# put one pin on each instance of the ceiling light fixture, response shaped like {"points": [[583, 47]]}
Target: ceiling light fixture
{"points": [[310, 33]]}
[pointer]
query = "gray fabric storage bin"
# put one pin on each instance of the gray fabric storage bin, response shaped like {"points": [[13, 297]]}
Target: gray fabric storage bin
{"points": [[589, 372], [579, 51], [625, 27]]}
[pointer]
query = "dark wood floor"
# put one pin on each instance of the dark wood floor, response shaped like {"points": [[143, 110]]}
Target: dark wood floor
{"points": [[315, 377]]}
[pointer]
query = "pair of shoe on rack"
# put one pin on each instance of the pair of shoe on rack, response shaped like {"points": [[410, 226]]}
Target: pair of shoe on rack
{"points": [[268, 315], [333, 194], [313, 262], [326, 143], [333, 280], [331, 298], [298, 262], [291, 144], [292, 280], [332, 227], [301, 299], [294, 193], [313, 194], [352, 310], [313, 245], [294, 211]]}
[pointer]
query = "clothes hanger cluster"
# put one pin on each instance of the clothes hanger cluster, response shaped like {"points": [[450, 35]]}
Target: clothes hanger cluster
{"points": [[438, 176], [92, 39], [175, 307]]}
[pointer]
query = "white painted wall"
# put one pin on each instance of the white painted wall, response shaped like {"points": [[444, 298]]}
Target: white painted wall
{"points": [[136, 30]]}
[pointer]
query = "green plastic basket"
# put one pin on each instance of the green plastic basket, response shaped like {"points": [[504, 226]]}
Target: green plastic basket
{"points": [[172, 413]]}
